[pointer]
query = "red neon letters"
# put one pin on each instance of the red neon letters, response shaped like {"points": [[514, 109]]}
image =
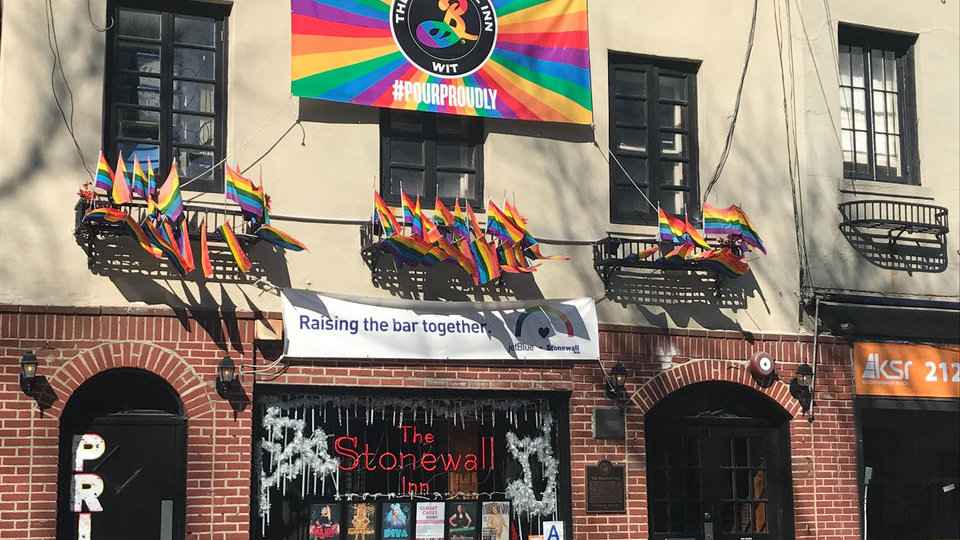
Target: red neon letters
{"points": [[347, 447]]}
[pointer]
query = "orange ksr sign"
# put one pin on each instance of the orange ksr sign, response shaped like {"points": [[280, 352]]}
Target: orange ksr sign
{"points": [[900, 370]]}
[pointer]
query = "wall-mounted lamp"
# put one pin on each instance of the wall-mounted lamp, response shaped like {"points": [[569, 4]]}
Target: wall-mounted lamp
{"points": [[226, 376], [800, 386], [616, 383], [28, 372]]}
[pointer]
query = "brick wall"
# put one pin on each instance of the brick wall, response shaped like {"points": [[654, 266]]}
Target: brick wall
{"points": [[74, 345]]}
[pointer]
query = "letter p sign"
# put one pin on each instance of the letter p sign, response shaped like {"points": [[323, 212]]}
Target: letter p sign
{"points": [[87, 447]]}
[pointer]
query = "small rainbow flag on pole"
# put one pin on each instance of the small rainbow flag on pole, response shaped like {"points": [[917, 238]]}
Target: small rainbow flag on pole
{"points": [[442, 214], [242, 191], [279, 238], [670, 228], [104, 178], [460, 226], [488, 267], [205, 264], [502, 227], [186, 250], [139, 186], [694, 235], [170, 201], [121, 189], [243, 262], [411, 215], [431, 233], [730, 221], [384, 216]]}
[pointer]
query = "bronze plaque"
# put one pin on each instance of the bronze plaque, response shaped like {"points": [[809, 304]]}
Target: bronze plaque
{"points": [[606, 488]]}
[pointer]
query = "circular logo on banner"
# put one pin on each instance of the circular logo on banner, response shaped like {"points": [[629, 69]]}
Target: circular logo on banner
{"points": [[445, 38]]}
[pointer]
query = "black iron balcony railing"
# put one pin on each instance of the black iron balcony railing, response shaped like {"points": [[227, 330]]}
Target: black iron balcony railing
{"points": [[897, 235]]}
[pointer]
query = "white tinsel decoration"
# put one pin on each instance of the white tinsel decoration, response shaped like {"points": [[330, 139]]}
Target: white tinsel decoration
{"points": [[289, 459], [520, 491]]}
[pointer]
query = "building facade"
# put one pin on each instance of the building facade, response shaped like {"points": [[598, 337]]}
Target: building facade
{"points": [[834, 127]]}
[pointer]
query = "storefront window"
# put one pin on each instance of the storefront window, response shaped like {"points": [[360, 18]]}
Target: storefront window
{"points": [[377, 466]]}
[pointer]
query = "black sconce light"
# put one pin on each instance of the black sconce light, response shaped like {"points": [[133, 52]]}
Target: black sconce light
{"points": [[616, 383], [800, 386], [226, 376], [28, 372]]}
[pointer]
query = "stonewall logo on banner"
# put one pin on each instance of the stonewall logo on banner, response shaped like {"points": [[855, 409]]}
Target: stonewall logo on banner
{"points": [[519, 59]]}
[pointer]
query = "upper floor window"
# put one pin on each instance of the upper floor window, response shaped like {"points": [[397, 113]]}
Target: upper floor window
{"points": [[431, 155], [878, 105], [166, 87], [653, 138]]}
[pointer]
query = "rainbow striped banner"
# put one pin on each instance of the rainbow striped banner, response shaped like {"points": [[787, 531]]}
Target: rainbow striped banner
{"points": [[515, 59]]}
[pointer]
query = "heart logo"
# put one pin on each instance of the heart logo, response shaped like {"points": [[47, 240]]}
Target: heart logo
{"points": [[544, 331]]}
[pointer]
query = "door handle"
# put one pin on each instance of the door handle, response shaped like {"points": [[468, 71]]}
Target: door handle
{"points": [[166, 519]]}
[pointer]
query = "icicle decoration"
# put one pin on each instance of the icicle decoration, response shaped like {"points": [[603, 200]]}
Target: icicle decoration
{"points": [[520, 491]]}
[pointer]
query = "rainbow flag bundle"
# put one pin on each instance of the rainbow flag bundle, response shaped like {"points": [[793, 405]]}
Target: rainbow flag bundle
{"points": [[730, 221], [384, 216], [279, 238], [205, 266], [139, 180], [170, 201], [242, 191], [104, 177], [243, 262]]}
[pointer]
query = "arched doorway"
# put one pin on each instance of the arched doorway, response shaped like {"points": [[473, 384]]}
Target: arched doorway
{"points": [[718, 465], [127, 427]]}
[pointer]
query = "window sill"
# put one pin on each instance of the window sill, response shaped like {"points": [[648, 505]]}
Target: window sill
{"points": [[852, 187]]}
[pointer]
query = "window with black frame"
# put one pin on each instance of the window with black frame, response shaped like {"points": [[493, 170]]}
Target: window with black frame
{"points": [[653, 138], [878, 105], [165, 88], [431, 155]]}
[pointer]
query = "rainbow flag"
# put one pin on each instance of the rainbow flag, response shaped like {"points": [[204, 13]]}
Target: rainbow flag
{"points": [[105, 214], [474, 224], [682, 251], [139, 187], [170, 202], [384, 215], [457, 256], [185, 249], [694, 235], [723, 261], [671, 229], [279, 238], [431, 233], [442, 214], [488, 267], [205, 264], [242, 191], [243, 262], [502, 227], [411, 215], [121, 188], [142, 239], [104, 178], [513, 260], [536, 254], [463, 245], [730, 221], [151, 195], [163, 238], [411, 250], [460, 227], [514, 215]]}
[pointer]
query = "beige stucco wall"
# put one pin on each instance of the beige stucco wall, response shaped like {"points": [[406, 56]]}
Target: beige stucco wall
{"points": [[555, 173]]}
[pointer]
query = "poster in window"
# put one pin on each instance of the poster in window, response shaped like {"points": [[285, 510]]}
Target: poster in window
{"points": [[496, 521], [462, 520], [324, 521], [429, 521], [396, 522], [361, 521]]}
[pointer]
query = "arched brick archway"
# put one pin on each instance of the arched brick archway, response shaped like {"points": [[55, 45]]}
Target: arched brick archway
{"points": [[193, 392], [697, 371]]}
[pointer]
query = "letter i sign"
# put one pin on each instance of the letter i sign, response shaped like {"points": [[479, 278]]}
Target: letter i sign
{"points": [[552, 530]]}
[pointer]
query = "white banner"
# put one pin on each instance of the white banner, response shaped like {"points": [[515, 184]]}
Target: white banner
{"points": [[319, 326]]}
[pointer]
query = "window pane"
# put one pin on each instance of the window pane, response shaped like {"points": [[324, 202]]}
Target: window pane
{"points": [[631, 111], [876, 69], [192, 96], [893, 113], [673, 201], [631, 139], [194, 30], [137, 57], [672, 116], [860, 140], [191, 163], [193, 63], [456, 155], [846, 139], [136, 90], [894, 150], [890, 71], [138, 124], [188, 129], [845, 65], [880, 150], [671, 173], [404, 151], [628, 202], [138, 24], [635, 167], [451, 185], [846, 101], [879, 112], [672, 87], [856, 60], [859, 109], [673, 144], [408, 180], [144, 153], [631, 83]]}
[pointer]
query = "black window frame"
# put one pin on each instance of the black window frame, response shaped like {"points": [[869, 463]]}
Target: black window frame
{"points": [[902, 45], [653, 67], [168, 9], [430, 137]]}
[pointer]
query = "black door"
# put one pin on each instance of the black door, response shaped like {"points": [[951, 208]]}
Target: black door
{"points": [[142, 465], [714, 472]]}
